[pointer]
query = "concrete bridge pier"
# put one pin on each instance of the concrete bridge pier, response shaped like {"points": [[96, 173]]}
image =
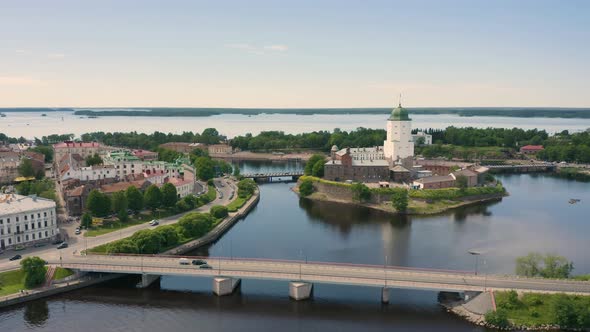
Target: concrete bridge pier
{"points": [[225, 285], [148, 279], [385, 295], [300, 290]]}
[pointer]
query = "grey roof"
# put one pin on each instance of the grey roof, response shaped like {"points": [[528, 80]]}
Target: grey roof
{"points": [[11, 204], [434, 179]]}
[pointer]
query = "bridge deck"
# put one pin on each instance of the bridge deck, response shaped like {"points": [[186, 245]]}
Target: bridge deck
{"points": [[365, 275]]}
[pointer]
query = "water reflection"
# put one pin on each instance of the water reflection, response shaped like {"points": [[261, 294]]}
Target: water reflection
{"points": [[36, 313]]}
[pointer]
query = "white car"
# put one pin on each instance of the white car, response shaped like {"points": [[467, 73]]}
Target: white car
{"points": [[154, 223]]}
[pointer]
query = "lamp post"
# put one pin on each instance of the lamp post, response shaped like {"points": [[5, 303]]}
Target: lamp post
{"points": [[385, 271], [476, 254]]}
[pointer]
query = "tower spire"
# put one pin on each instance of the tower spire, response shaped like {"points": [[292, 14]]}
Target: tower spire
{"points": [[400, 100]]}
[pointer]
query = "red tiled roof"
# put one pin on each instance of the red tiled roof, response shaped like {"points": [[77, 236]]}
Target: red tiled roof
{"points": [[532, 147]]}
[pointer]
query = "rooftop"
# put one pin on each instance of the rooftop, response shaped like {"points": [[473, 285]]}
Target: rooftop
{"points": [[71, 144], [374, 162], [532, 147], [11, 204], [434, 179]]}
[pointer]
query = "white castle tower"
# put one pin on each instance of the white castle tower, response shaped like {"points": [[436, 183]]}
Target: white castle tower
{"points": [[399, 144]]}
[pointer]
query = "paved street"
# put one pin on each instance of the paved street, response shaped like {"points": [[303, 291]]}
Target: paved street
{"points": [[78, 243], [366, 275]]}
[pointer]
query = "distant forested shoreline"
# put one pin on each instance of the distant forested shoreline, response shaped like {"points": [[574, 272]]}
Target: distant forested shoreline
{"points": [[521, 112]]}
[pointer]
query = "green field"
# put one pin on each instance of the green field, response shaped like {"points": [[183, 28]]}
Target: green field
{"points": [[61, 273], [11, 282]]}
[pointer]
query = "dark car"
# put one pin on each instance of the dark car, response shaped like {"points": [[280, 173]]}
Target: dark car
{"points": [[16, 257], [38, 244], [63, 245], [198, 262], [205, 266]]}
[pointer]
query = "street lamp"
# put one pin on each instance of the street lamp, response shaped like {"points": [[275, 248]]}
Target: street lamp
{"points": [[476, 254]]}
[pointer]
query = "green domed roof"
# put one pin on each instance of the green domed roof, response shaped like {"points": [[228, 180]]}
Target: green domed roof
{"points": [[399, 114]]}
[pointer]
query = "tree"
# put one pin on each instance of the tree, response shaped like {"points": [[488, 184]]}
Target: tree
{"points": [[306, 187], [93, 160], [26, 168], [123, 215], [529, 265], [318, 169], [360, 192], [556, 267], [219, 211], [564, 312], [47, 151], [399, 199], [246, 188], [498, 318], [98, 204], [205, 168], [34, 270], [236, 171], [119, 201], [169, 195], [86, 220], [311, 163], [134, 199], [461, 181], [152, 197]]}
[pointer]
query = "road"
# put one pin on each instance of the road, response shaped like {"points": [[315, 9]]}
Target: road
{"points": [[365, 275], [77, 243]]}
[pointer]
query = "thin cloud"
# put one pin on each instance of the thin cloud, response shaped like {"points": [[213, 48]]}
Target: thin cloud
{"points": [[266, 49], [56, 55], [19, 81]]}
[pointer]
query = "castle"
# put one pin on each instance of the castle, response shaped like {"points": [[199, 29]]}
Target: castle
{"points": [[392, 161]]}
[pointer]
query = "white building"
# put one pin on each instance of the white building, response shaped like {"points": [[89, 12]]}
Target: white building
{"points": [[183, 187], [26, 219], [422, 136], [399, 144], [90, 173]]}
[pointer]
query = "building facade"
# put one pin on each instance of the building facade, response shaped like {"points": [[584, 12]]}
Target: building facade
{"points": [[399, 144], [422, 138], [25, 220]]}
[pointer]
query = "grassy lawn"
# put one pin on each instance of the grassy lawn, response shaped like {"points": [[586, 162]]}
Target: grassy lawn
{"points": [[116, 225], [535, 309], [237, 203], [11, 282], [211, 193], [61, 273]]}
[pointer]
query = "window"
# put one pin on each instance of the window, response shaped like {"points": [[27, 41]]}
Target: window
{"points": [[9, 241], [45, 233], [45, 224], [27, 237], [18, 239], [32, 216], [38, 215], [32, 225], [26, 227], [17, 220], [25, 217], [45, 214], [40, 235], [39, 224], [33, 235], [8, 220]]}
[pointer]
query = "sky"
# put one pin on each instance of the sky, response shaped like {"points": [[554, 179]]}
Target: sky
{"points": [[316, 53]]}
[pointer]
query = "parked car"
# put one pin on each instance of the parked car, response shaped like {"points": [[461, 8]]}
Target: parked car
{"points": [[39, 244], [63, 245], [205, 266], [78, 231], [19, 247], [154, 223], [183, 261], [198, 262], [16, 257]]}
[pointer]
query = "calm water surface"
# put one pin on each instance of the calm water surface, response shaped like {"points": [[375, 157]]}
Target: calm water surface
{"points": [[32, 124], [535, 217]]}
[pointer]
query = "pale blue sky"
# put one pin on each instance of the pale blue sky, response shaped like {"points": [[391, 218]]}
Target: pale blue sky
{"points": [[294, 53]]}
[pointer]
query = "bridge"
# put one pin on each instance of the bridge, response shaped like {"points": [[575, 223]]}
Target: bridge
{"points": [[227, 272], [268, 177], [532, 167]]}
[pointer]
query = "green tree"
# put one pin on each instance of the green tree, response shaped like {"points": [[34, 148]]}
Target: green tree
{"points": [[34, 270], [119, 201], [47, 151], [86, 220], [311, 163], [169, 195], [219, 211], [205, 168], [555, 266], [26, 168], [399, 199], [98, 203], [564, 312], [498, 318], [246, 188], [318, 169], [93, 160], [123, 215], [529, 265], [462, 182], [236, 171], [306, 187], [360, 192], [134, 199], [152, 197]]}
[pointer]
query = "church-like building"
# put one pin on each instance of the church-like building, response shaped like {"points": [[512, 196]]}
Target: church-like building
{"points": [[390, 162]]}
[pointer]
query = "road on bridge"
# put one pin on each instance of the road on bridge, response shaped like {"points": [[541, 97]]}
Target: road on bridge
{"points": [[366, 275]]}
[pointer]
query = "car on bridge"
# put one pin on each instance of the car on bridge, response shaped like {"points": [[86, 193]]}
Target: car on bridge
{"points": [[205, 266], [198, 262], [183, 261]]}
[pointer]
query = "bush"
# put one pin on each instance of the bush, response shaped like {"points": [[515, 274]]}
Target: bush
{"points": [[498, 318], [246, 188], [306, 187], [219, 211], [360, 192], [399, 199]]}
